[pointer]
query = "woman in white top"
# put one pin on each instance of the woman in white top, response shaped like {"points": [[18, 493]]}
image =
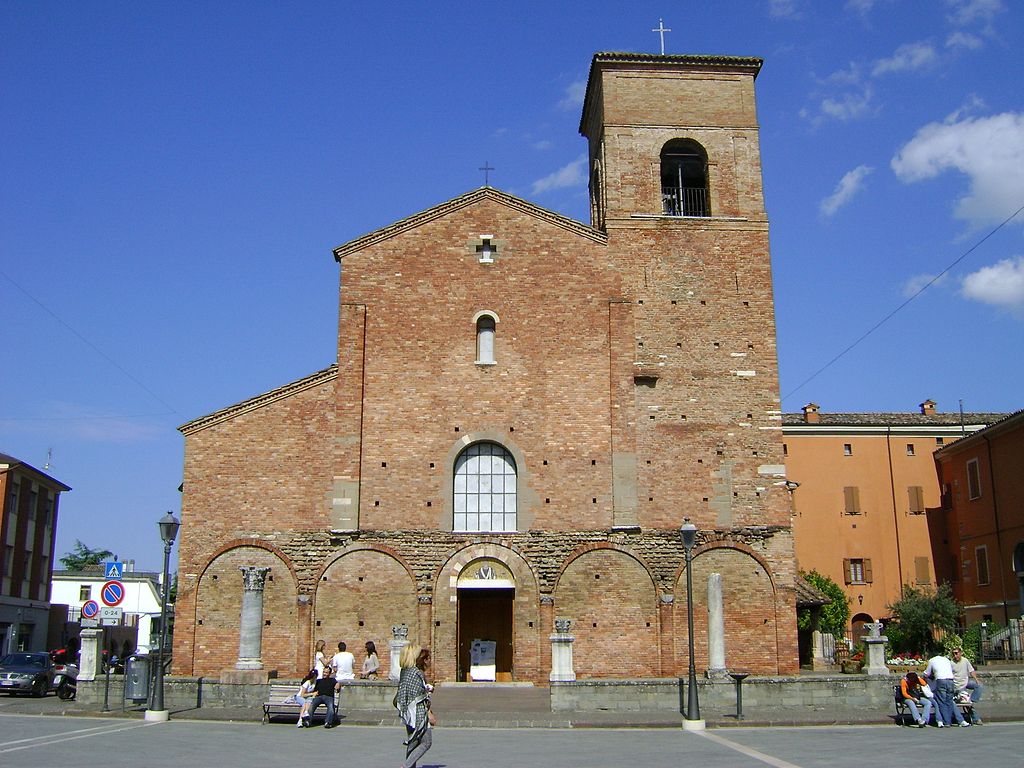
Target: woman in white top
{"points": [[371, 664], [319, 659], [305, 694]]}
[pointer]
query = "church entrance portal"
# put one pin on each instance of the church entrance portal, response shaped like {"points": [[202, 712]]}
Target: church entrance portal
{"points": [[486, 614]]}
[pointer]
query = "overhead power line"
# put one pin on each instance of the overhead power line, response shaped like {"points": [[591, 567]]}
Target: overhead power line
{"points": [[92, 346], [917, 293]]}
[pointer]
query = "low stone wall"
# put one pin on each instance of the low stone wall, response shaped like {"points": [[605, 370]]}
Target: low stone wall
{"points": [[717, 697], [762, 693], [192, 692]]}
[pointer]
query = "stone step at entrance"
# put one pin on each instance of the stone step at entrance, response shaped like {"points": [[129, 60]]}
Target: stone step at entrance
{"points": [[491, 697]]}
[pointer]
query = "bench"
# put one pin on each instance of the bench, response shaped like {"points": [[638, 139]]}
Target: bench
{"points": [[278, 703], [903, 711]]}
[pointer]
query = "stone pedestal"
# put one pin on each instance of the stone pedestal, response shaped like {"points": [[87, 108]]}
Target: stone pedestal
{"points": [[876, 642], [561, 653], [250, 636], [399, 639], [716, 629], [91, 654]]}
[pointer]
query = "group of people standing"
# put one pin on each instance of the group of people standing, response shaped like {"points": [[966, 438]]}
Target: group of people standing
{"points": [[949, 677], [327, 677]]}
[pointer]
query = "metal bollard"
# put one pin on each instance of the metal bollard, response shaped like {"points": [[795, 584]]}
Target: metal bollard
{"points": [[739, 677]]}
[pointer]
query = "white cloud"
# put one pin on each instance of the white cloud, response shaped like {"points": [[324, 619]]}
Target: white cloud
{"points": [[574, 95], [573, 174], [543, 144], [861, 6], [988, 150], [917, 283], [907, 58], [1001, 284], [848, 106], [783, 9], [963, 12], [847, 187], [964, 40]]}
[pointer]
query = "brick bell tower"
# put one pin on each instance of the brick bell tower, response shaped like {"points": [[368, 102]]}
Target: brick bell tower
{"points": [[675, 182]]}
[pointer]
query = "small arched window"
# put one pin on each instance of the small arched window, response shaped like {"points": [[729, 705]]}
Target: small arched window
{"points": [[485, 325], [484, 497], [684, 179]]}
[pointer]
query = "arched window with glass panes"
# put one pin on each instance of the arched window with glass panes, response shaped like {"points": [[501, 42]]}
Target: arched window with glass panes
{"points": [[484, 497]]}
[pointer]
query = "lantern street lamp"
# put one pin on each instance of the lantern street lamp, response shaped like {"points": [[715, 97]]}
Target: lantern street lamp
{"points": [[168, 525], [692, 721]]}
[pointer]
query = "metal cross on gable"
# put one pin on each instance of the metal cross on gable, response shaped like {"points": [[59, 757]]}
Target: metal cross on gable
{"points": [[486, 168], [661, 30]]}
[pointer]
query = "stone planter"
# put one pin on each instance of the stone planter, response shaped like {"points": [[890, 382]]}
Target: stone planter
{"points": [[852, 667]]}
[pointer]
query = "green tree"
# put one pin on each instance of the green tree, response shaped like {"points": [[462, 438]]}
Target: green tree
{"points": [[918, 615], [834, 615], [81, 557]]}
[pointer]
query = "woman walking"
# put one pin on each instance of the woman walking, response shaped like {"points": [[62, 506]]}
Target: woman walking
{"points": [[413, 702]]}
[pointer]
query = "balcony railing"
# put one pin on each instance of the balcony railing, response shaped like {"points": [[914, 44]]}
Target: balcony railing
{"points": [[685, 201]]}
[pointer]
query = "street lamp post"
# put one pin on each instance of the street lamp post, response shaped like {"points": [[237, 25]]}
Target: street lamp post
{"points": [[168, 532], [692, 721]]}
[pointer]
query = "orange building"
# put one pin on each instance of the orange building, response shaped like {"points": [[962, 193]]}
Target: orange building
{"points": [[866, 483], [979, 529]]}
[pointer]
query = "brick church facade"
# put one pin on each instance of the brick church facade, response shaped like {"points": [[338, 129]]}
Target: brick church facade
{"points": [[523, 411]]}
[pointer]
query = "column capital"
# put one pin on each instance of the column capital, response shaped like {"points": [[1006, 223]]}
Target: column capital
{"points": [[254, 578]]}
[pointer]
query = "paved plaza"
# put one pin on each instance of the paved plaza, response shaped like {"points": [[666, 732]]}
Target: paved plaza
{"points": [[41, 741]]}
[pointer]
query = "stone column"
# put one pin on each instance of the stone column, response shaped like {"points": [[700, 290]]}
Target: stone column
{"points": [[876, 642], [547, 626], [716, 628], [90, 654], [666, 617], [561, 652], [399, 639], [424, 619], [250, 640]]}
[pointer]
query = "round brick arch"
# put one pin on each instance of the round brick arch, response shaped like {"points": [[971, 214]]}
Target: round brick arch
{"points": [[359, 596], [526, 629], [610, 596], [219, 609], [749, 608]]}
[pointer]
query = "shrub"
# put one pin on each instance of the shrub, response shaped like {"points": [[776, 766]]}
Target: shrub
{"points": [[834, 615], [918, 614]]}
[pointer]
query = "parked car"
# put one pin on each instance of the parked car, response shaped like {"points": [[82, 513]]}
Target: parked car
{"points": [[26, 673]]}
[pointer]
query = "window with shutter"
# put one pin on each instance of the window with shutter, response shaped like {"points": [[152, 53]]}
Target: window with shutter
{"points": [[851, 500], [981, 563], [973, 480], [916, 494], [922, 571]]}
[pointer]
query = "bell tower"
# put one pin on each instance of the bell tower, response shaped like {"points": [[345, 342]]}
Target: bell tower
{"points": [[672, 137]]}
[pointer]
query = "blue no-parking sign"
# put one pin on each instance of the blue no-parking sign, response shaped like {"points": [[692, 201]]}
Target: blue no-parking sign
{"points": [[112, 593], [89, 609]]}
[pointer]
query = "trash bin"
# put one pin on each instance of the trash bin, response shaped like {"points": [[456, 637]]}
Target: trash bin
{"points": [[136, 678]]}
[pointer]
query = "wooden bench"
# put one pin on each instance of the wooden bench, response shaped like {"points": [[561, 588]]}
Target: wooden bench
{"points": [[277, 701], [903, 711]]}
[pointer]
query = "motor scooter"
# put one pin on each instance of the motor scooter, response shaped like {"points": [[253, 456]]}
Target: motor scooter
{"points": [[65, 681]]}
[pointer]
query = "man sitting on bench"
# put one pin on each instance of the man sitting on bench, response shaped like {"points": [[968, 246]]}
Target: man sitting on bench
{"points": [[324, 688], [912, 688]]}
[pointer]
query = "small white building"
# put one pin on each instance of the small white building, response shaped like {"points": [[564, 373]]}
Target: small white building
{"points": [[141, 602]]}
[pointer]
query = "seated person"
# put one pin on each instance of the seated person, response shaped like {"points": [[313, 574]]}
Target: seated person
{"points": [[963, 672], [912, 689], [324, 688]]}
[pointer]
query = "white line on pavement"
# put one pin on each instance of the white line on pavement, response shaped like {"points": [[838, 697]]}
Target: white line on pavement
{"points": [[773, 761], [84, 733]]}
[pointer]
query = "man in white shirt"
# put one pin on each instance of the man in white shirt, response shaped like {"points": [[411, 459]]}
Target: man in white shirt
{"points": [[941, 671], [344, 664]]}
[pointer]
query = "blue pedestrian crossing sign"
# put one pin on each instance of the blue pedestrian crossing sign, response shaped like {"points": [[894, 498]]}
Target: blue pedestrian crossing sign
{"points": [[114, 570]]}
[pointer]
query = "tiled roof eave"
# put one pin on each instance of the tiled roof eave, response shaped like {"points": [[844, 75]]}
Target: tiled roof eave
{"points": [[455, 204], [259, 401]]}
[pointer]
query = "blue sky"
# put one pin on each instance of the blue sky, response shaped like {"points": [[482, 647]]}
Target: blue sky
{"points": [[174, 176]]}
